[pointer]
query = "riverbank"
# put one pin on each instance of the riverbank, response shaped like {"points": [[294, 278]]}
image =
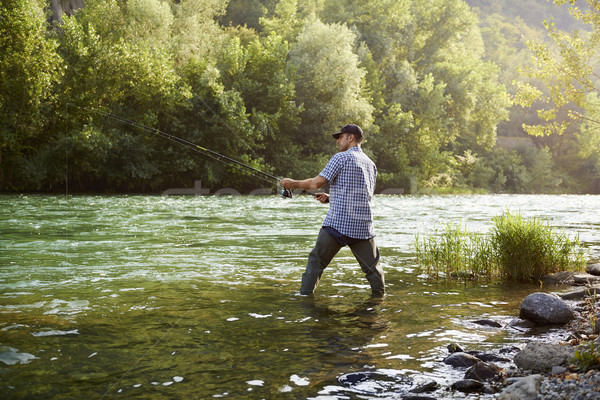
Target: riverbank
{"points": [[560, 366]]}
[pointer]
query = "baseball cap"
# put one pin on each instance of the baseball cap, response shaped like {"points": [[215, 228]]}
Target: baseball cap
{"points": [[350, 128]]}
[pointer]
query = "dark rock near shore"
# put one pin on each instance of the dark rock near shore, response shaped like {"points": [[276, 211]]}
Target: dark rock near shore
{"points": [[428, 386], [585, 279], [541, 357], [483, 371], [559, 278], [468, 386], [581, 293], [488, 357], [460, 359], [593, 269], [545, 309], [454, 348]]}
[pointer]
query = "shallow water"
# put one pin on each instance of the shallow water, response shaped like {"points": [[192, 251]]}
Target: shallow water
{"points": [[196, 297]]}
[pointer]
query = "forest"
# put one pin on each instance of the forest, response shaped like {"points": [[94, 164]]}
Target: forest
{"points": [[454, 96]]}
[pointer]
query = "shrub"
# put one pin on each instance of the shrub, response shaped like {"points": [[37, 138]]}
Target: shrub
{"points": [[526, 249], [517, 249]]}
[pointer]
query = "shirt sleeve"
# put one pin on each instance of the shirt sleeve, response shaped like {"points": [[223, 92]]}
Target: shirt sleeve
{"points": [[333, 167]]}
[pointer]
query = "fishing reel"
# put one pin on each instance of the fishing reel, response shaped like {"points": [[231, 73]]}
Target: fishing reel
{"points": [[286, 193]]}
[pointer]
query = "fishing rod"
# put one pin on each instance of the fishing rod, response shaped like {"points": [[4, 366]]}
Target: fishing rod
{"points": [[210, 153]]}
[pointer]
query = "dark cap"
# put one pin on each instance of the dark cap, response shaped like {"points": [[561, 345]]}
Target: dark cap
{"points": [[353, 129]]}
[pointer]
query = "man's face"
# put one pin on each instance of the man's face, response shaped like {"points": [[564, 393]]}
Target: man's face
{"points": [[344, 141]]}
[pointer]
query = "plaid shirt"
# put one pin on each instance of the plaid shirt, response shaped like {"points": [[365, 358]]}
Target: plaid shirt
{"points": [[351, 175]]}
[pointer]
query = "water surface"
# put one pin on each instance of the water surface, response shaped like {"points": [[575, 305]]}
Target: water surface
{"points": [[196, 297]]}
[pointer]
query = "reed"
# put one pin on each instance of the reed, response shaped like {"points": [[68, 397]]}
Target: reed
{"points": [[516, 249]]}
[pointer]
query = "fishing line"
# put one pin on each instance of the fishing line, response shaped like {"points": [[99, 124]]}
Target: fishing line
{"points": [[203, 150]]}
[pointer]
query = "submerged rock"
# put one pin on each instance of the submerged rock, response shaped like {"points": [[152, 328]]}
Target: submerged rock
{"points": [[541, 357], [488, 322], [428, 386], [545, 309]]}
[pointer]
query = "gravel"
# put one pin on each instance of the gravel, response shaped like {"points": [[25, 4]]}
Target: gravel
{"points": [[571, 386]]}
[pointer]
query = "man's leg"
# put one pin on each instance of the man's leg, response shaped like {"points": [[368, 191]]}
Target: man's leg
{"points": [[319, 258], [367, 255]]}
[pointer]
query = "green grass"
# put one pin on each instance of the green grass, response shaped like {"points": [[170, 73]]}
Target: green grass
{"points": [[516, 249]]}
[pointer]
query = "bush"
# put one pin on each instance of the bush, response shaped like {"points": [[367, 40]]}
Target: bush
{"points": [[517, 249]]}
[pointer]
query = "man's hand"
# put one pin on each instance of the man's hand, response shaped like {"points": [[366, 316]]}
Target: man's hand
{"points": [[287, 183], [322, 197]]}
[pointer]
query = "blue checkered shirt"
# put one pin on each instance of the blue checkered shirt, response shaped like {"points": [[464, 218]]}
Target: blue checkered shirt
{"points": [[351, 175]]}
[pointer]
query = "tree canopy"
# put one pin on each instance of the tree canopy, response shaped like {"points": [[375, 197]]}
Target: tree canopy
{"points": [[267, 81]]}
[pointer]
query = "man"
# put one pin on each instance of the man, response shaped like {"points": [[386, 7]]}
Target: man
{"points": [[351, 175]]}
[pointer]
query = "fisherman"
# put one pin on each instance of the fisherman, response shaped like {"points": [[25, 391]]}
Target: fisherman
{"points": [[351, 175]]}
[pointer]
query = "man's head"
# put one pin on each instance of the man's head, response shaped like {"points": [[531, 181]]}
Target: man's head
{"points": [[349, 136], [352, 130]]}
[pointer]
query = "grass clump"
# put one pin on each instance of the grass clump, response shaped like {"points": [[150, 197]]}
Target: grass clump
{"points": [[516, 249]]}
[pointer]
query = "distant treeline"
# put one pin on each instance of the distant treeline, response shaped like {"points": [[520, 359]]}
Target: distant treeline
{"points": [[267, 82]]}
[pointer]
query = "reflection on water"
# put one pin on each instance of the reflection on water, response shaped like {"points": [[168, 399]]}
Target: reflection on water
{"points": [[175, 297]]}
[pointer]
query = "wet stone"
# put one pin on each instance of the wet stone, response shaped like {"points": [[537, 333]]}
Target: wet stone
{"points": [[489, 357], [545, 309], [429, 386], [468, 386], [460, 359], [483, 371], [454, 348], [593, 269], [488, 322]]}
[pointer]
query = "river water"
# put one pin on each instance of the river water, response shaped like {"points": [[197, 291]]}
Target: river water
{"points": [[196, 297]]}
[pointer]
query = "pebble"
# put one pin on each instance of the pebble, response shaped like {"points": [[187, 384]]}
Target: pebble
{"points": [[571, 386]]}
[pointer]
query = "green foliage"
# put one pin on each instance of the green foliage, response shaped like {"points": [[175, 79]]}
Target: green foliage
{"points": [[526, 249], [568, 71], [517, 249], [30, 69], [329, 83], [426, 80], [587, 357]]}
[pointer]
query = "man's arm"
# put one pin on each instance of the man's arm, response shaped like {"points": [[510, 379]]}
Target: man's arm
{"points": [[307, 184]]}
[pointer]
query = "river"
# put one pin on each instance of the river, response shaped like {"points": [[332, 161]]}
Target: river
{"points": [[196, 297]]}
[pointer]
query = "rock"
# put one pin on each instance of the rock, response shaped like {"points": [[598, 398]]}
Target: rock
{"points": [[581, 293], [460, 359], [428, 386], [454, 348], [559, 278], [593, 269], [418, 397], [558, 369], [521, 325], [488, 322], [526, 388], [487, 357], [468, 386], [545, 309], [585, 279], [483, 371], [541, 357]]}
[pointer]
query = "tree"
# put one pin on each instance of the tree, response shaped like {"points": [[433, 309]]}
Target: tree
{"points": [[30, 68], [329, 83], [569, 70]]}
